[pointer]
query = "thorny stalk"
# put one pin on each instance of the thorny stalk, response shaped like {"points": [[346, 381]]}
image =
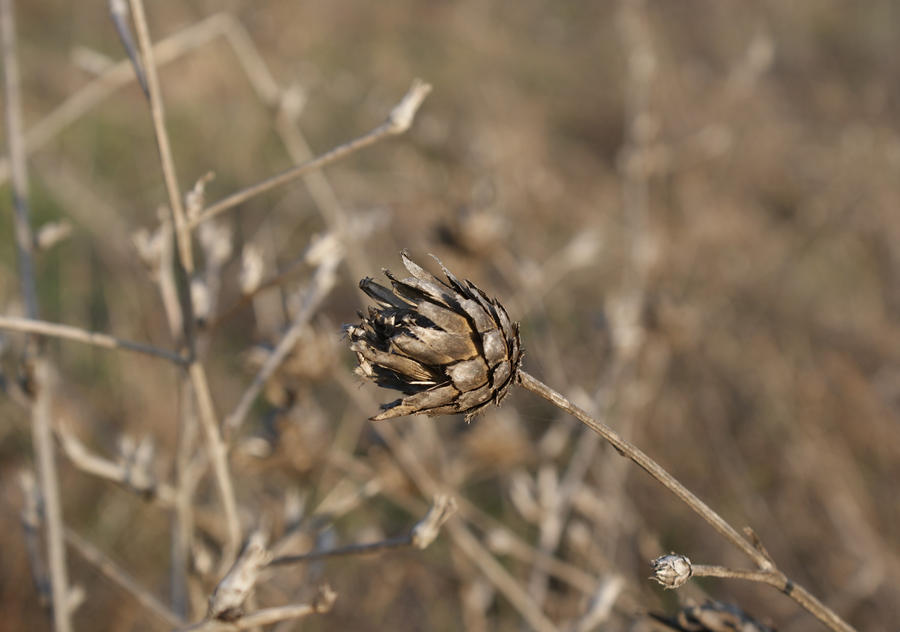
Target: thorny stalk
{"points": [[767, 569], [41, 410], [185, 266]]}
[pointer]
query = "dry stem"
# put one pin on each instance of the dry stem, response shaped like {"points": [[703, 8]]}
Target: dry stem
{"points": [[119, 577], [196, 373], [321, 284], [162, 137], [625, 448], [68, 332], [398, 122], [41, 406], [320, 605]]}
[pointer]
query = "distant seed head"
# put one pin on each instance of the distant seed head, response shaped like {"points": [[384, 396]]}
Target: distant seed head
{"points": [[445, 345]]}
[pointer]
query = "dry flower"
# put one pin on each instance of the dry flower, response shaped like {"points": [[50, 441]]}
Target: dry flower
{"points": [[446, 346]]}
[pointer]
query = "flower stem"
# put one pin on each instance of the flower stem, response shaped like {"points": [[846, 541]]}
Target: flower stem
{"points": [[627, 449]]}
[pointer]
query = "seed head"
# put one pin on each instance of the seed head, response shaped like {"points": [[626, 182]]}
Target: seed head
{"points": [[672, 570], [446, 346]]}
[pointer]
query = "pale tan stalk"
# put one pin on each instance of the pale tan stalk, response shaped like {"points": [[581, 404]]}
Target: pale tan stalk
{"points": [[67, 332], [196, 373], [766, 567]]}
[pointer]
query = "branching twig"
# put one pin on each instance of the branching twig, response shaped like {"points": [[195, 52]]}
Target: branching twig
{"points": [[68, 332], [321, 284], [627, 449], [461, 535], [398, 121], [157, 111], [320, 605], [419, 537], [97, 466], [197, 374], [119, 577]]}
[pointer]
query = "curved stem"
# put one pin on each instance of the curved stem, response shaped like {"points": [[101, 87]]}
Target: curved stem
{"points": [[767, 571]]}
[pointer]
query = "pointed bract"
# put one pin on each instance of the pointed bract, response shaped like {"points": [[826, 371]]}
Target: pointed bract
{"points": [[447, 346]]}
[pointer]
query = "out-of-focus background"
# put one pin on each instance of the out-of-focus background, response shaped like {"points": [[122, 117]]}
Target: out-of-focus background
{"points": [[691, 208]]}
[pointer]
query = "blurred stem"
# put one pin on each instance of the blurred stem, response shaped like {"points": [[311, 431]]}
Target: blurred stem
{"points": [[122, 579], [184, 267], [767, 572], [41, 408], [398, 122], [68, 332], [157, 111]]}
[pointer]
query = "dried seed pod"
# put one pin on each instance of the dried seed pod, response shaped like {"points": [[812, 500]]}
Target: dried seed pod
{"points": [[446, 346], [672, 570]]}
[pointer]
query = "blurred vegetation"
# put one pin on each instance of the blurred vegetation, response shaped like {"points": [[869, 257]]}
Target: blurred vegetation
{"points": [[762, 142]]}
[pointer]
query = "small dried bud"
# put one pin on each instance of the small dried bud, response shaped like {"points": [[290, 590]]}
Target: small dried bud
{"points": [[446, 346], [672, 570]]}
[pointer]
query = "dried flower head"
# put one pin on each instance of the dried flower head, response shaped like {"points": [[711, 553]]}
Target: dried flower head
{"points": [[446, 346]]}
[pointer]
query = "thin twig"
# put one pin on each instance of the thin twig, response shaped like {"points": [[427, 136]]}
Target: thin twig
{"points": [[390, 544], [321, 284], [43, 441], [499, 576], [459, 532], [117, 76], [320, 605], [157, 111], [206, 411], [183, 515], [419, 537], [219, 457], [500, 539], [627, 449], [122, 579], [780, 581], [41, 407], [462, 536], [56, 330], [100, 467], [400, 119], [118, 11], [19, 166]]}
